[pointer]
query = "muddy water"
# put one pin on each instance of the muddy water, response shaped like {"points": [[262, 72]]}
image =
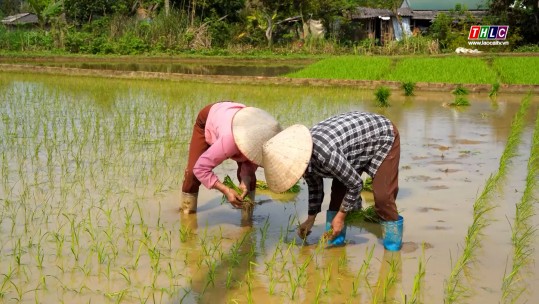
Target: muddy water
{"points": [[198, 67], [90, 176]]}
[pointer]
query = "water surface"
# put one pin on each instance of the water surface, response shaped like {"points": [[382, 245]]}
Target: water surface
{"points": [[91, 172]]}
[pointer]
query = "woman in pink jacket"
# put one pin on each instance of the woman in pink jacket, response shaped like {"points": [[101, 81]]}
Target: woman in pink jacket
{"points": [[225, 130]]}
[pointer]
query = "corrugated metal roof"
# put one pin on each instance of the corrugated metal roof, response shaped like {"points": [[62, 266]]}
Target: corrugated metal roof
{"points": [[446, 5], [430, 15], [368, 12]]}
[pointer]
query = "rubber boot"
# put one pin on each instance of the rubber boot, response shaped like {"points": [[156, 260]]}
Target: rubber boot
{"points": [[339, 239], [188, 203]]}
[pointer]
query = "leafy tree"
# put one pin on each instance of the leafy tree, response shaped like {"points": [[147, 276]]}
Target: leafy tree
{"points": [[9, 7], [269, 14], [84, 11], [38, 6], [521, 15]]}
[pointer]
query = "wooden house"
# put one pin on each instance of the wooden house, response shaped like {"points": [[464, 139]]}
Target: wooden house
{"points": [[385, 25], [376, 23], [417, 15]]}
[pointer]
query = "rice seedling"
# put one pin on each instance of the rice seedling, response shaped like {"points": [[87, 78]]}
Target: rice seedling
{"points": [[227, 181], [262, 185], [460, 101], [382, 96], [523, 232], [391, 279], [346, 67], [494, 90], [367, 184], [408, 88], [449, 70], [367, 214], [454, 289], [418, 279], [516, 70], [460, 91]]}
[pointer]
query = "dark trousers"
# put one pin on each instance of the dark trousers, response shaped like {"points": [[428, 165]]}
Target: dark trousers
{"points": [[197, 147], [385, 184]]}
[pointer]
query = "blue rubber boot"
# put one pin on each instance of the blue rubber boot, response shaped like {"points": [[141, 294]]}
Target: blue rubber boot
{"points": [[339, 239]]}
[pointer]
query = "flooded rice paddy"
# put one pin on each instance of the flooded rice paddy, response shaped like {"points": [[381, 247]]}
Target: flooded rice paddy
{"points": [[91, 170]]}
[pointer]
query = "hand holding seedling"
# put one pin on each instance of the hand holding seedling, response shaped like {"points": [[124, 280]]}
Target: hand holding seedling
{"points": [[231, 196], [337, 225], [304, 229]]}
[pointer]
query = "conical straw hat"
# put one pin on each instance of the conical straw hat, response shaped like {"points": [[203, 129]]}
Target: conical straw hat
{"points": [[286, 156], [251, 128]]}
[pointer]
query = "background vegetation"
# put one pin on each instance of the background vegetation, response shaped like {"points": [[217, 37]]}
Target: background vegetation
{"points": [[239, 26]]}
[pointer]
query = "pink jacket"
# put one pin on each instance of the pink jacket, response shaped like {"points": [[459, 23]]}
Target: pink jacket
{"points": [[218, 133]]}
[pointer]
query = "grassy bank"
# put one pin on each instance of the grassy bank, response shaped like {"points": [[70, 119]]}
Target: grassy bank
{"points": [[451, 69]]}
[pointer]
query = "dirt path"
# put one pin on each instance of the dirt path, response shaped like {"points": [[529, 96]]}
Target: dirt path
{"points": [[226, 79]]}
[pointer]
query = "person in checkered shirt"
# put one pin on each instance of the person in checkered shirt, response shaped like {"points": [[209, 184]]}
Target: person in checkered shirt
{"points": [[341, 148]]}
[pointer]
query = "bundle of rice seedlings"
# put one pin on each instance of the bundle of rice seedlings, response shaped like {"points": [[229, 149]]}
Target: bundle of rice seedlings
{"points": [[262, 185], [247, 202], [367, 214]]}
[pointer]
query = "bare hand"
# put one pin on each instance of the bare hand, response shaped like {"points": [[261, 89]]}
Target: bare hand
{"points": [[244, 190], [234, 198], [337, 225], [304, 229]]}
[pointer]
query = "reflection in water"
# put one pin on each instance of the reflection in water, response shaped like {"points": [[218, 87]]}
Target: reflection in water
{"points": [[209, 68]]}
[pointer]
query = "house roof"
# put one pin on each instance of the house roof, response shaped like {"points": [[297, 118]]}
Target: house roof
{"points": [[446, 5], [24, 18], [368, 12]]}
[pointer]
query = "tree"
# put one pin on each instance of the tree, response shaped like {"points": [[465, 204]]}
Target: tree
{"points": [[268, 13], [38, 6], [521, 16], [84, 11], [10, 7]]}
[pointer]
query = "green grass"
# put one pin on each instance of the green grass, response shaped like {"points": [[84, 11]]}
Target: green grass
{"points": [[347, 67], [452, 69], [448, 69], [517, 70]]}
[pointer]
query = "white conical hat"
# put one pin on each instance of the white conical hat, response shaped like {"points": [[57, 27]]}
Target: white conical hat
{"points": [[251, 128], [286, 156]]}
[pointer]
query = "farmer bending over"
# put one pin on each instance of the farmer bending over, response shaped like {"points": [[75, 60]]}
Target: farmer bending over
{"points": [[342, 148], [225, 130]]}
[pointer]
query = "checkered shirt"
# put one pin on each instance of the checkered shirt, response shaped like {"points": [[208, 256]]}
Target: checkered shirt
{"points": [[345, 146]]}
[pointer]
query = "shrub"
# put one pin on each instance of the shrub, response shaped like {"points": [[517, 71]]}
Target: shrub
{"points": [[131, 45], [528, 48], [77, 41]]}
